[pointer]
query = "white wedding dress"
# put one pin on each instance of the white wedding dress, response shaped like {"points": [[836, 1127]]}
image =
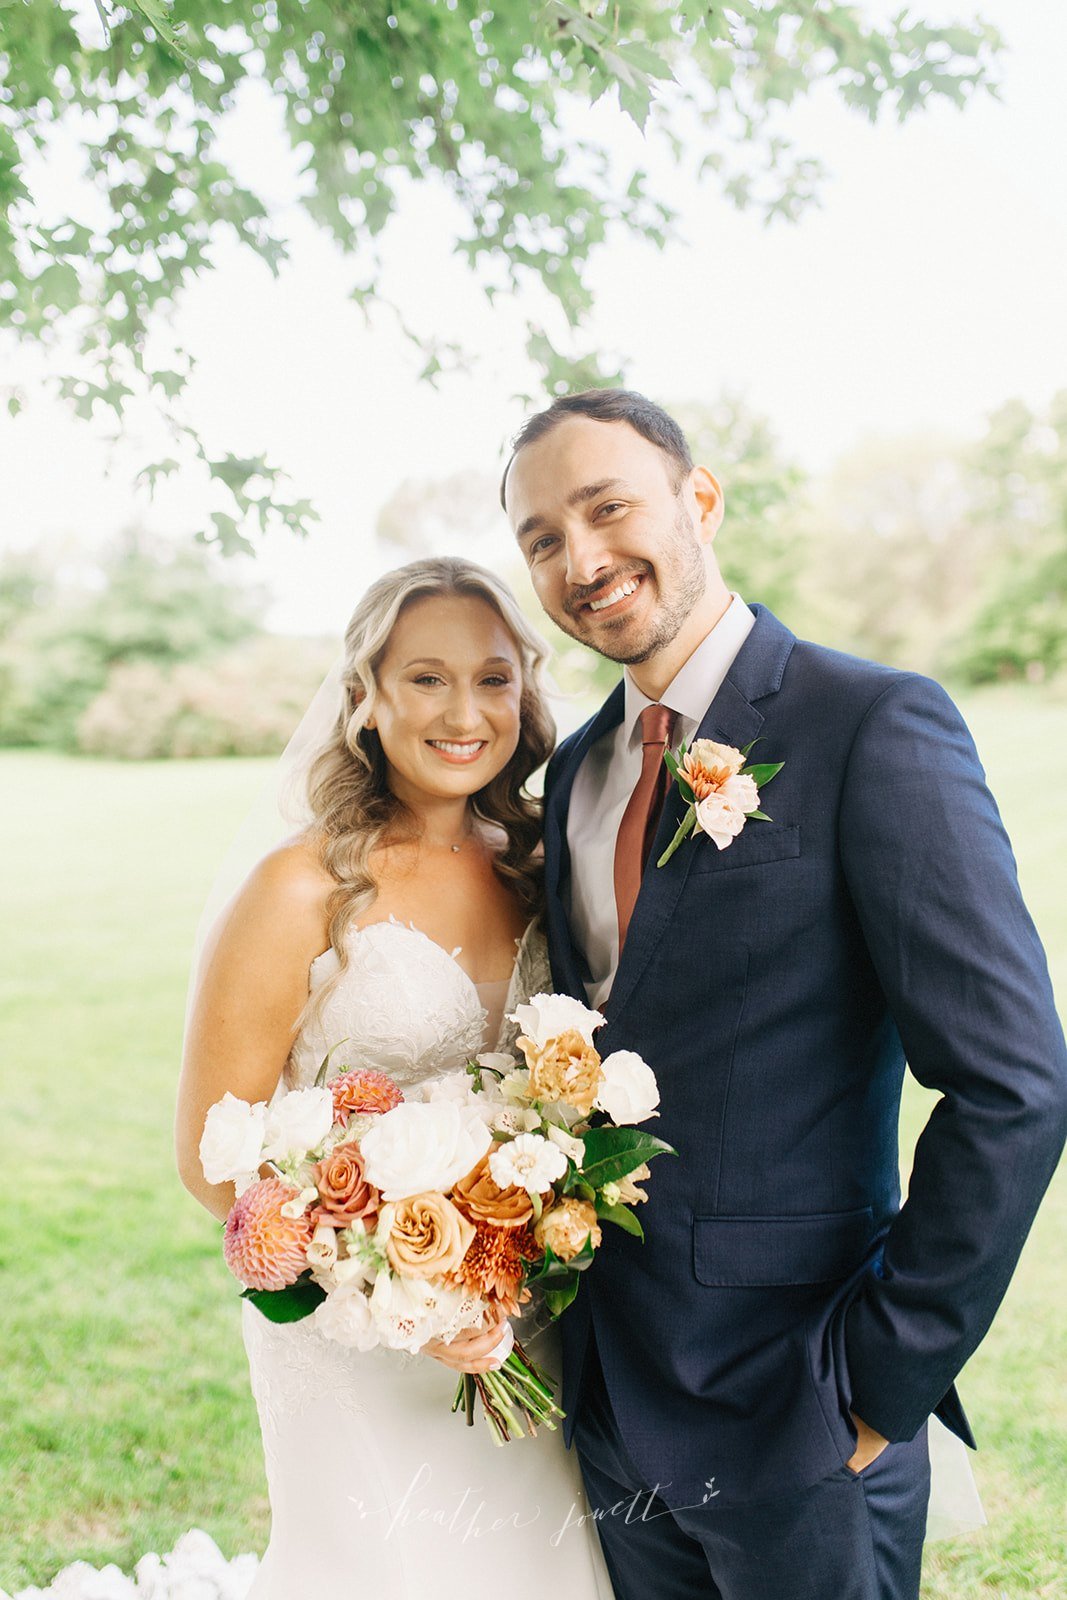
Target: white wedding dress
{"points": [[376, 1487]]}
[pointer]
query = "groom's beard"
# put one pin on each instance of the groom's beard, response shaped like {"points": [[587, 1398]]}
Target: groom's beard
{"points": [[680, 578]]}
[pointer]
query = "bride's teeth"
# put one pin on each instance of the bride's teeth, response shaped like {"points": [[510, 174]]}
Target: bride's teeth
{"points": [[457, 749], [615, 595]]}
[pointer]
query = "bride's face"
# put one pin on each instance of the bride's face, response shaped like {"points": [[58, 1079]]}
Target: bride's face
{"points": [[449, 690]]}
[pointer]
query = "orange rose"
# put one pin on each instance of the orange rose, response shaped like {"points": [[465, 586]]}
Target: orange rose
{"points": [[344, 1193], [428, 1238], [567, 1069], [483, 1200]]}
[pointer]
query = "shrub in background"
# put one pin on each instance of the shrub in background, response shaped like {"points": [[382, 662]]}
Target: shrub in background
{"points": [[244, 703]]}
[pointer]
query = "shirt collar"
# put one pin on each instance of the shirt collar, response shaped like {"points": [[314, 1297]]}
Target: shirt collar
{"points": [[699, 679]]}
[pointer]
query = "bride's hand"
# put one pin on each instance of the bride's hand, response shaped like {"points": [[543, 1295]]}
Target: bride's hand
{"points": [[473, 1349]]}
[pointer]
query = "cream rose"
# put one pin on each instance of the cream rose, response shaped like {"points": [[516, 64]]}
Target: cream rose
{"points": [[565, 1228], [428, 1238], [547, 1016]]}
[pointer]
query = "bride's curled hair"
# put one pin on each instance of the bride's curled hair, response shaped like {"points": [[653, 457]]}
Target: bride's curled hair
{"points": [[351, 808]]}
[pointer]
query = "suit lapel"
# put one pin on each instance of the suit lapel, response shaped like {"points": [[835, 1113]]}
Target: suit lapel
{"points": [[731, 718]]}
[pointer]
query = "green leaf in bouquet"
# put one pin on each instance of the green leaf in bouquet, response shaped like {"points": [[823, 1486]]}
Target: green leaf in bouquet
{"points": [[621, 1216], [292, 1304], [764, 773], [558, 1299], [758, 816], [679, 777], [550, 1266], [320, 1078], [613, 1153]]}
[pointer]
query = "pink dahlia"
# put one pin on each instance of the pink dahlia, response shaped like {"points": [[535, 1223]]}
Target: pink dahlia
{"points": [[361, 1091], [263, 1249]]}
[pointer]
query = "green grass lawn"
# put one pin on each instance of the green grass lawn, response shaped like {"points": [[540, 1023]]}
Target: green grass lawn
{"points": [[125, 1415]]}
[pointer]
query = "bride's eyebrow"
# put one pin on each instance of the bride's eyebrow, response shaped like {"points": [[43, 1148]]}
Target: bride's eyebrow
{"points": [[435, 661]]}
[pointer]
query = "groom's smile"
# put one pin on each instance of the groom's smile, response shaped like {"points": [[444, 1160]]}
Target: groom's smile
{"points": [[614, 534]]}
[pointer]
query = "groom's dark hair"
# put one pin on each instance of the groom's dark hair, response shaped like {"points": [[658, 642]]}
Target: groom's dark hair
{"points": [[608, 405]]}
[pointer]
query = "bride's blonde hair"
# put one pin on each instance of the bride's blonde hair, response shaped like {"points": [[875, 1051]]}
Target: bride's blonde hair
{"points": [[353, 810]]}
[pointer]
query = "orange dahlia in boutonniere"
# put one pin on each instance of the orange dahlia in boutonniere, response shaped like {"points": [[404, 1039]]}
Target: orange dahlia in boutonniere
{"points": [[721, 789]]}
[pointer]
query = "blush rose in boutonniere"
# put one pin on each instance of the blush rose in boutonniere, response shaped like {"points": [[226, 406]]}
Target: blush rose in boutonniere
{"points": [[722, 791]]}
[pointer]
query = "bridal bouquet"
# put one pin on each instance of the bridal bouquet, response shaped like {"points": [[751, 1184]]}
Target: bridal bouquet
{"points": [[396, 1221]]}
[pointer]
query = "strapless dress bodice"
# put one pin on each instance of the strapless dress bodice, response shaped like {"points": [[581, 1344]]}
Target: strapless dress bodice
{"points": [[403, 1005]]}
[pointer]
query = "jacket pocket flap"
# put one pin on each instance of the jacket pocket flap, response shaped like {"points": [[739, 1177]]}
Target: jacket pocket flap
{"points": [[760, 1252], [758, 842]]}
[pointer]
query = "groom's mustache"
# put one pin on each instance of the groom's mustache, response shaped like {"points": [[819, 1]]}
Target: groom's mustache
{"points": [[579, 597]]}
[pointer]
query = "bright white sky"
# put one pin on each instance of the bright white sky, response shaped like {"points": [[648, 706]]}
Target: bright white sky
{"points": [[926, 291]]}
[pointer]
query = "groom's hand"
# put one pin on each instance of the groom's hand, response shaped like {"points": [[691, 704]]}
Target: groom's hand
{"points": [[869, 1445]]}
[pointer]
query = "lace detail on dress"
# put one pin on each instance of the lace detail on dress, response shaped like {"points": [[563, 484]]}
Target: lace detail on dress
{"points": [[294, 1366], [532, 975], [404, 1006]]}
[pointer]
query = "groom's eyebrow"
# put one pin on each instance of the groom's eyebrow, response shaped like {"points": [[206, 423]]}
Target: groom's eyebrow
{"points": [[577, 497]]}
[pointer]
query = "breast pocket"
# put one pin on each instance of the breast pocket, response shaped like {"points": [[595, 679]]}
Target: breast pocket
{"points": [[757, 844], [766, 1252]]}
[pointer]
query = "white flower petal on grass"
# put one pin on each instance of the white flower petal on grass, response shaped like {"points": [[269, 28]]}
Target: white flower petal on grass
{"points": [[548, 1016], [629, 1092], [231, 1146], [417, 1146], [529, 1162], [296, 1123]]}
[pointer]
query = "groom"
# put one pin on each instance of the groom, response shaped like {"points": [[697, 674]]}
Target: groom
{"points": [[748, 1389]]}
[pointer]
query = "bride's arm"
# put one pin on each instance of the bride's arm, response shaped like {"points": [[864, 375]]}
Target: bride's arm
{"points": [[250, 988]]}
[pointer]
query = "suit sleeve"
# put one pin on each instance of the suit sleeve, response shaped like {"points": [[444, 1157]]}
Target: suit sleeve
{"points": [[933, 880]]}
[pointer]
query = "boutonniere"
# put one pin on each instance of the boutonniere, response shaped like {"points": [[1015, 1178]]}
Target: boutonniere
{"points": [[721, 789]]}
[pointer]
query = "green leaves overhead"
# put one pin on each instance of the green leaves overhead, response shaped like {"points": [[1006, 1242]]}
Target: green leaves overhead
{"points": [[371, 99]]}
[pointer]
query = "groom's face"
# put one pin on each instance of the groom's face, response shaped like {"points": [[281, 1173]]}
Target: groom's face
{"points": [[613, 540]]}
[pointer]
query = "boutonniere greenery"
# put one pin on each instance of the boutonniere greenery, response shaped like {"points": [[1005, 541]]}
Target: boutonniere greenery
{"points": [[722, 791]]}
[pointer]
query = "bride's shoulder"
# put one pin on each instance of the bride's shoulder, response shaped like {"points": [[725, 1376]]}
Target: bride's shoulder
{"points": [[290, 879]]}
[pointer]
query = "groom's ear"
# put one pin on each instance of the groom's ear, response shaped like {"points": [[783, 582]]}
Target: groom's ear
{"points": [[708, 504]]}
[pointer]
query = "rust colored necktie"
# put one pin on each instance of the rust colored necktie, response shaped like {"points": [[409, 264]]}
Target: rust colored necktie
{"points": [[639, 820]]}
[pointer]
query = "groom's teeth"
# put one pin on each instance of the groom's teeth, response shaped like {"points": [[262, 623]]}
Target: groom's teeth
{"points": [[615, 595]]}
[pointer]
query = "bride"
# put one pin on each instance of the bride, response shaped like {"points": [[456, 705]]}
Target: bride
{"points": [[402, 921]]}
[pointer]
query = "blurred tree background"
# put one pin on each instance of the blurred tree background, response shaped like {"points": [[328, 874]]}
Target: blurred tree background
{"points": [[919, 552], [480, 104]]}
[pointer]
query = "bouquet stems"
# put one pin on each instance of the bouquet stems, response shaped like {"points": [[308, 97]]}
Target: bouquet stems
{"points": [[516, 1398]]}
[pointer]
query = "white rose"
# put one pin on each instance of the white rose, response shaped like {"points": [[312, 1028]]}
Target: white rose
{"points": [[297, 1122], [572, 1147], [548, 1016], [416, 1147], [345, 1316], [530, 1162], [231, 1146], [741, 791], [719, 819], [629, 1092]]}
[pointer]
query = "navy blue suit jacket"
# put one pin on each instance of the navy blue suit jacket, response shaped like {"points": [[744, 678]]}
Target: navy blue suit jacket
{"points": [[776, 987]]}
